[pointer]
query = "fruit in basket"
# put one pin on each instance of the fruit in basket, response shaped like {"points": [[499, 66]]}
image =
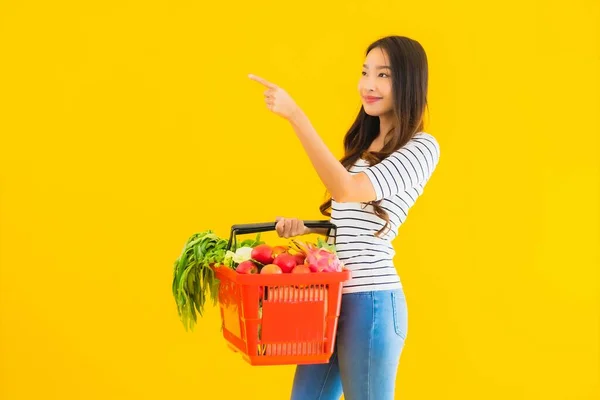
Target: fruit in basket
{"points": [[286, 262], [301, 269], [323, 261], [263, 253], [247, 267], [277, 250], [300, 257], [271, 269], [319, 259]]}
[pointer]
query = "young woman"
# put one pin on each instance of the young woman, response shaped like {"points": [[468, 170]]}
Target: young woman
{"points": [[388, 160]]}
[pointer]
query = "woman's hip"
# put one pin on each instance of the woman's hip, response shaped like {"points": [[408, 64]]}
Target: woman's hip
{"points": [[378, 314]]}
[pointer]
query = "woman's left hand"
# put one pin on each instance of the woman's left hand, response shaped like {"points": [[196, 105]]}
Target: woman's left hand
{"points": [[277, 99]]}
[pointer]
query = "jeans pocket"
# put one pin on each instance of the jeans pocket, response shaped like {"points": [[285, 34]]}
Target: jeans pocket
{"points": [[398, 306]]}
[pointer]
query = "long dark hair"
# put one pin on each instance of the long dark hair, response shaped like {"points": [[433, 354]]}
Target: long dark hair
{"points": [[409, 69]]}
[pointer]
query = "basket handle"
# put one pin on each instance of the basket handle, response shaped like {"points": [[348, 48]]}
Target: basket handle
{"points": [[243, 229]]}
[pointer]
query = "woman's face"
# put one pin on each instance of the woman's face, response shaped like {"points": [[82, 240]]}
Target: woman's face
{"points": [[375, 85]]}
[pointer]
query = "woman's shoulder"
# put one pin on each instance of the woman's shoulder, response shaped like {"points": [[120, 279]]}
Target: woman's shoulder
{"points": [[424, 135], [426, 139]]}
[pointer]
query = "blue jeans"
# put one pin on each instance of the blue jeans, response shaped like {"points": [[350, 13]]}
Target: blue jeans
{"points": [[371, 332]]}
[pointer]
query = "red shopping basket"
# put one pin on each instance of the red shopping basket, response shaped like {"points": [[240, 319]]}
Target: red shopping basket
{"points": [[297, 322]]}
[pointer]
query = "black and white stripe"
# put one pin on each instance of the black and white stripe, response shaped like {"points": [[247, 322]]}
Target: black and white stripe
{"points": [[398, 180], [407, 170]]}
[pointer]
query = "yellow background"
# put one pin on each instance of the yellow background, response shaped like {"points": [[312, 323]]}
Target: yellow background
{"points": [[126, 126]]}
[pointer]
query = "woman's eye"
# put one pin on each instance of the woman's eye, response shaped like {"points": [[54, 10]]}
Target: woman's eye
{"points": [[384, 75], [364, 73]]}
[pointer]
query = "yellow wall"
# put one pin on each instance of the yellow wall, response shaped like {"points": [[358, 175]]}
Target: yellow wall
{"points": [[127, 126]]}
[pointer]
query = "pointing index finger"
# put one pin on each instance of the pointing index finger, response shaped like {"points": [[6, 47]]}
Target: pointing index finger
{"points": [[262, 81]]}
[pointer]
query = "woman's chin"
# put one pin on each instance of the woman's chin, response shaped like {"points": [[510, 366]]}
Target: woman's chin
{"points": [[372, 111]]}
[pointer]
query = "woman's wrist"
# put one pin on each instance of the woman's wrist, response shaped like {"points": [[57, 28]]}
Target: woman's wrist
{"points": [[319, 231], [296, 118]]}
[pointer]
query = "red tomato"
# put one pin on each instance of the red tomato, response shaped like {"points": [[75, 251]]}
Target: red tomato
{"points": [[286, 262], [247, 267], [299, 258], [263, 253]]}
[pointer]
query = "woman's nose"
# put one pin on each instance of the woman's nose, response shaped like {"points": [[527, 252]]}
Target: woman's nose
{"points": [[370, 85]]}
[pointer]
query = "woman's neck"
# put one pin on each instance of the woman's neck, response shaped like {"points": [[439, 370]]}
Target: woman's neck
{"points": [[385, 124]]}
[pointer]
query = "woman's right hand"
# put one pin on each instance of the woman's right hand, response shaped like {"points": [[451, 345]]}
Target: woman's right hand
{"points": [[290, 227]]}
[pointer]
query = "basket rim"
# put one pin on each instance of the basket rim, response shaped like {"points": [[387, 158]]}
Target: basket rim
{"points": [[313, 278]]}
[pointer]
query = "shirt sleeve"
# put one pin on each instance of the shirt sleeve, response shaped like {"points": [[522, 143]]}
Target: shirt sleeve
{"points": [[409, 167]]}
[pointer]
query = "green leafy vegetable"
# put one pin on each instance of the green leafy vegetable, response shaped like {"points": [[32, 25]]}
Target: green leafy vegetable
{"points": [[194, 281]]}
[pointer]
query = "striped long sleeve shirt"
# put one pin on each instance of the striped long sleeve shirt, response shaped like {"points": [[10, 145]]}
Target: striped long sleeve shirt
{"points": [[398, 180]]}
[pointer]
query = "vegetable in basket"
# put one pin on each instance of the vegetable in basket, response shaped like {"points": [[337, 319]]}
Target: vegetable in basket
{"points": [[194, 280]]}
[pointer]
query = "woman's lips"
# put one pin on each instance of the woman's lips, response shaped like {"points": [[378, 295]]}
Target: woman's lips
{"points": [[371, 99]]}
